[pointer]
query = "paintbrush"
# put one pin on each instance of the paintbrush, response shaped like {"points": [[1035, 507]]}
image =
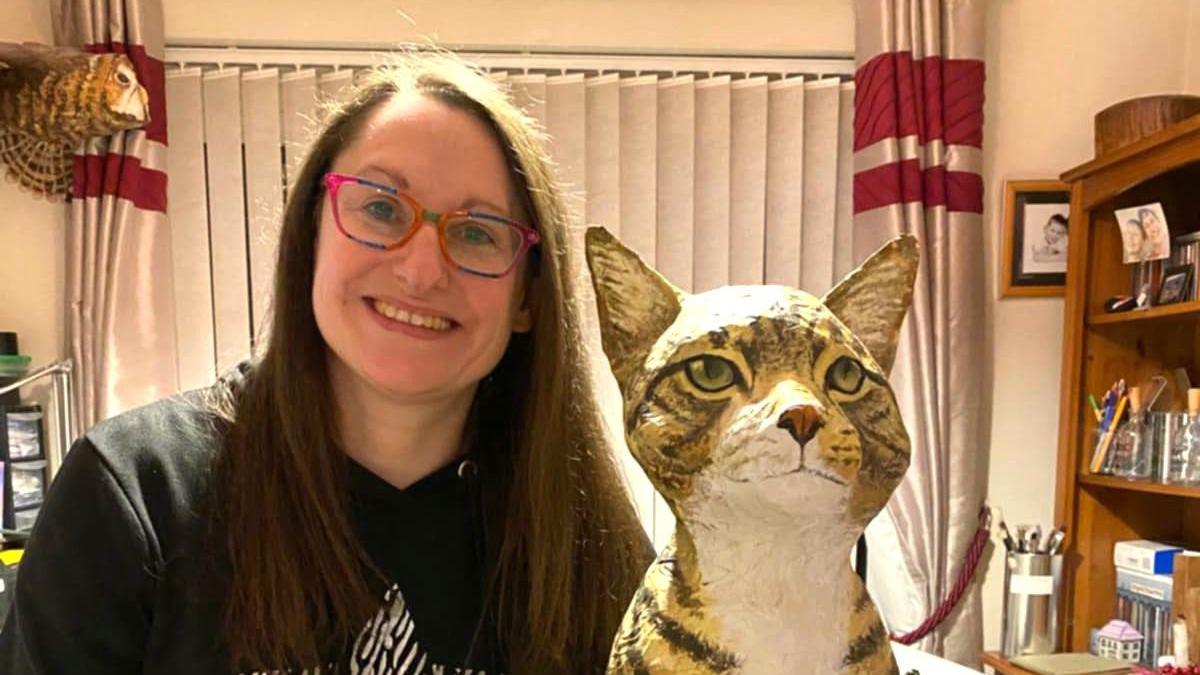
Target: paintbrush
{"points": [[1055, 541], [1009, 544]]}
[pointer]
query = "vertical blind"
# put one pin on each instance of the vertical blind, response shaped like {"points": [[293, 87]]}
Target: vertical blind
{"points": [[714, 179]]}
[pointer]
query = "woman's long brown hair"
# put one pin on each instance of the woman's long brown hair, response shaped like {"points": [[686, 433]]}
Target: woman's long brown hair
{"points": [[566, 550]]}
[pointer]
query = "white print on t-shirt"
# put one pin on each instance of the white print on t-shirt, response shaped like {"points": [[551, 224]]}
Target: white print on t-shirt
{"points": [[388, 646]]}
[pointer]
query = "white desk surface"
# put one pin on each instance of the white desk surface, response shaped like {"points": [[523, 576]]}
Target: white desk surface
{"points": [[909, 658]]}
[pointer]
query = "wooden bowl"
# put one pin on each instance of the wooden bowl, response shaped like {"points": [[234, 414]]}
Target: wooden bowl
{"points": [[1123, 123]]}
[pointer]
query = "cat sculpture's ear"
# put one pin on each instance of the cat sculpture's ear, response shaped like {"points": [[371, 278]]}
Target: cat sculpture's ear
{"points": [[636, 304], [873, 299]]}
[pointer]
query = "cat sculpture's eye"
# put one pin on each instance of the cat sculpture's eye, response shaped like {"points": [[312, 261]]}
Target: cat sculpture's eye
{"points": [[711, 373], [846, 375]]}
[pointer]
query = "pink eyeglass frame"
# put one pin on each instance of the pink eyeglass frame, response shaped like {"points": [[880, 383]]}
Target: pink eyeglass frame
{"points": [[333, 181]]}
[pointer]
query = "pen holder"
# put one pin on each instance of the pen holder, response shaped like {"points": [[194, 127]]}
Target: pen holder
{"points": [[1130, 450], [1098, 446], [1032, 583]]}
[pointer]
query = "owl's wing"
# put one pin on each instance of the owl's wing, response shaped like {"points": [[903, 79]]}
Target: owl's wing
{"points": [[32, 60], [42, 166]]}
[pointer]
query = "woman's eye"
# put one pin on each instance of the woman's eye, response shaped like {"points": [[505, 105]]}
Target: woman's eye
{"points": [[380, 210], [845, 375], [473, 233], [477, 234], [711, 373]]}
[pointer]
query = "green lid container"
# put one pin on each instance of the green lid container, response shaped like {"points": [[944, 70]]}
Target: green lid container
{"points": [[13, 365]]}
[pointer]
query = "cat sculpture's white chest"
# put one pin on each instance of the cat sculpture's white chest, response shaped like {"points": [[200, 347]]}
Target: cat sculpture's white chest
{"points": [[782, 604]]}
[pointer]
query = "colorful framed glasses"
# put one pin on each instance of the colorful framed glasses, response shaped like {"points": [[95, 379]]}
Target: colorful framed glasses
{"points": [[381, 217]]}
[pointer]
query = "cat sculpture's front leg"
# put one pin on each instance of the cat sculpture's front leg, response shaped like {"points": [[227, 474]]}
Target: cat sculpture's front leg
{"points": [[869, 651], [667, 628]]}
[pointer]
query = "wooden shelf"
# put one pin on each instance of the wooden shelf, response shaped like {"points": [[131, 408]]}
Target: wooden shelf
{"points": [[1181, 309], [1139, 486]]}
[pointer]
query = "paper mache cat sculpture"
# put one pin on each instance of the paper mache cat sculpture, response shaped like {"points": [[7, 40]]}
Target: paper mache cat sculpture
{"points": [[764, 417]]}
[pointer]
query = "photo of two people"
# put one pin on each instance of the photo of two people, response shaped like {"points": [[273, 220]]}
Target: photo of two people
{"points": [[1144, 233]]}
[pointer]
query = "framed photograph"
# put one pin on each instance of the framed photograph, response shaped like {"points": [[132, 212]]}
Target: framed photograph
{"points": [[1144, 233], [1176, 282], [1036, 218]]}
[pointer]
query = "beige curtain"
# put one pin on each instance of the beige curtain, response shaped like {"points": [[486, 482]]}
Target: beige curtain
{"points": [[917, 162], [120, 308]]}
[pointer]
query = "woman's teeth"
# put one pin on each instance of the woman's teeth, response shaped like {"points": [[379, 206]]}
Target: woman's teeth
{"points": [[403, 316]]}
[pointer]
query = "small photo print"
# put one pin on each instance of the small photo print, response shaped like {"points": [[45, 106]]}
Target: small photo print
{"points": [[1144, 233], [1045, 238]]}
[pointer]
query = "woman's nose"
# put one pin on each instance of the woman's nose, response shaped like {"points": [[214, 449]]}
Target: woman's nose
{"points": [[419, 264]]}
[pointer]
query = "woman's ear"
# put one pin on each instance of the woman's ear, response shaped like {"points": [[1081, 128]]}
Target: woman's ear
{"points": [[522, 320]]}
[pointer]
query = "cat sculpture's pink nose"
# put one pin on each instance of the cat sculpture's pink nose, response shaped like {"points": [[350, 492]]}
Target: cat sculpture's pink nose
{"points": [[802, 422]]}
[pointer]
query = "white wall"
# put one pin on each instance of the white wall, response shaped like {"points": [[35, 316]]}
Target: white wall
{"points": [[31, 232], [1193, 50], [1051, 67]]}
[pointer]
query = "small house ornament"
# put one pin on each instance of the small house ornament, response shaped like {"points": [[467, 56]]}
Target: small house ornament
{"points": [[1121, 641]]}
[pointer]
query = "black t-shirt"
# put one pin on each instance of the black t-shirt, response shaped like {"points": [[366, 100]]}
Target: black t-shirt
{"points": [[428, 540], [111, 579]]}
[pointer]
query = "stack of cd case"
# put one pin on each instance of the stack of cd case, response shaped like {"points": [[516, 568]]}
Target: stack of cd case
{"points": [[1144, 602]]}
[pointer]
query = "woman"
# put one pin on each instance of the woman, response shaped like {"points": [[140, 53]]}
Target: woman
{"points": [[410, 454], [1157, 241]]}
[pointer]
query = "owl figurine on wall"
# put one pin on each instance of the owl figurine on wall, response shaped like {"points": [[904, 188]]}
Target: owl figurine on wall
{"points": [[51, 99]]}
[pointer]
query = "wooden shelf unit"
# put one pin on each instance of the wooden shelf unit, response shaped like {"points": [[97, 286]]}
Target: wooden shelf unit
{"points": [[1100, 348], [1148, 487], [1187, 311]]}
